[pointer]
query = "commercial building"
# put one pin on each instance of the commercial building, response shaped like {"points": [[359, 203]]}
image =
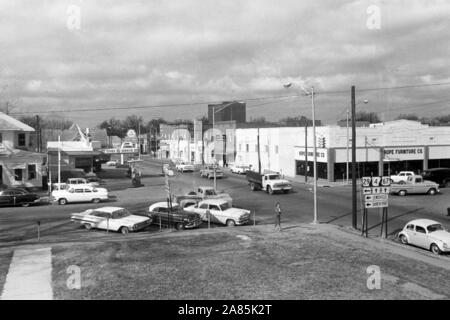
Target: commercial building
{"points": [[19, 166], [382, 149]]}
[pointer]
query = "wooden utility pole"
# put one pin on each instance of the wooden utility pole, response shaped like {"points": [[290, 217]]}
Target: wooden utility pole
{"points": [[306, 151], [354, 195], [259, 154]]}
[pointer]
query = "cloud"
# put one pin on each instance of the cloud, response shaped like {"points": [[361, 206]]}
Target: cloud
{"points": [[137, 53]]}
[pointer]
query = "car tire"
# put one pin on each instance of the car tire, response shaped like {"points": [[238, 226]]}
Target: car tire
{"points": [[447, 184], [62, 201], [87, 226], [96, 200], [124, 230], [435, 249], [432, 192], [401, 182], [253, 186], [231, 223], [179, 226], [269, 190], [403, 239], [402, 193], [26, 204]]}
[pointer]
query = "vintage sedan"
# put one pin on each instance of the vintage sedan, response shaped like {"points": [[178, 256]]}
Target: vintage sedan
{"points": [[185, 167], [81, 193], [175, 216], [239, 169], [111, 218], [17, 196], [220, 212], [208, 172], [427, 234]]}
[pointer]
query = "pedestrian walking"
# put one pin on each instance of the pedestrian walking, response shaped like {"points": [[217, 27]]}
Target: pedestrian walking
{"points": [[278, 215]]}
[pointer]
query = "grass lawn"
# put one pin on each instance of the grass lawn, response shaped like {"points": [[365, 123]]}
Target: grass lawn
{"points": [[301, 262]]}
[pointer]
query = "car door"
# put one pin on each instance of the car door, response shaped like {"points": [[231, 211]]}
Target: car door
{"points": [[216, 214], [421, 237], [201, 209], [78, 195], [103, 218], [88, 194]]}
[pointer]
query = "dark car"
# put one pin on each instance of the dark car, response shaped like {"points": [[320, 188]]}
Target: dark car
{"points": [[439, 175], [14, 197], [177, 217]]}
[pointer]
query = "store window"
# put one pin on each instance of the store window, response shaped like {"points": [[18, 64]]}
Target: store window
{"points": [[21, 141], [246, 148], [31, 171], [18, 174], [276, 149]]}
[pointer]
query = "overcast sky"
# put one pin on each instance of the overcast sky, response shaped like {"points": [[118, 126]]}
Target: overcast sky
{"points": [[146, 53]]}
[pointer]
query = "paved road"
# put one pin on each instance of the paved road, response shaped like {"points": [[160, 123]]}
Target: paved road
{"points": [[334, 206]]}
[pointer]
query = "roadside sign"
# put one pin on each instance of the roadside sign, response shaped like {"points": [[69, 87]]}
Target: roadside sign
{"points": [[376, 191]]}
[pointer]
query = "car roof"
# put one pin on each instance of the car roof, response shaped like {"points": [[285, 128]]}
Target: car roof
{"points": [[163, 204], [108, 209], [214, 201], [423, 222]]}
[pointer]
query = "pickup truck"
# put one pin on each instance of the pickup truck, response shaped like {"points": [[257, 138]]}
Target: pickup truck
{"points": [[415, 185], [401, 177], [270, 182], [203, 193]]}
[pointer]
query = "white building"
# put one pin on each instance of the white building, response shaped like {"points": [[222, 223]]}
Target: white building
{"points": [[381, 149]]}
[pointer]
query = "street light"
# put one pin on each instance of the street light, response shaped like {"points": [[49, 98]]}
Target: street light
{"points": [[311, 93]]}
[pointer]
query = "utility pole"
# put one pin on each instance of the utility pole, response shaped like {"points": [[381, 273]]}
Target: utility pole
{"points": [[314, 154], [306, 151], [38, 149], [259, 154], [59, 162], [346, 171], [354, 202], [7, 107]]}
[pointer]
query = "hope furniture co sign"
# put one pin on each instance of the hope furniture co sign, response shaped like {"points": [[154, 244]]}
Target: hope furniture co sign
{"points": [[404, 153]]}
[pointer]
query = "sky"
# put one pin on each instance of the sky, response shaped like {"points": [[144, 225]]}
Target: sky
{"points": [[144, 57]]}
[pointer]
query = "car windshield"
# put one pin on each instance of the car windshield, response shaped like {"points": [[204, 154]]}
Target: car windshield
{"points": [[274, 177], [224, 206], [435, 227], [121, 214]]}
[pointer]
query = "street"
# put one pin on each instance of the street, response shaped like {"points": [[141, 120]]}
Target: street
{"points": [[18, 224]]}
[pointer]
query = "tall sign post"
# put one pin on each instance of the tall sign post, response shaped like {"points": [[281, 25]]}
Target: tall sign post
{"points": [[354, 200], [375, 192]]}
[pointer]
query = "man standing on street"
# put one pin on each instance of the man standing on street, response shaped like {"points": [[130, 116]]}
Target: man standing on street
{"points": [[278, 215]]}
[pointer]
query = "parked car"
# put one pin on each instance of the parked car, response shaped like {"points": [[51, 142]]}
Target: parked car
{"points": [[427, 234], [439, 175], [16, 196], [415, 185], [111, 163], [160, 213], [208, 172], [220, 212], [82, 181], [95, 181], [184, 167], [80, 193], [111, 218], [271, 182], [401, 177], [239, 169]]}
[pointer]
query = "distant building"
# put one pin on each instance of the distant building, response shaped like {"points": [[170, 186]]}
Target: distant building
{"points": [[227, 111], [18, 165]]}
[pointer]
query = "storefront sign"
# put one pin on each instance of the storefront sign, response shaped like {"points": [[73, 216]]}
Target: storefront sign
{"points": [[404, 153], [121, 150], [321, 154]]}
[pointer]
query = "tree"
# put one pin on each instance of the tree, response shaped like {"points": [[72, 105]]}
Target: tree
{"points": [[411, 116], [371, 117], [258, 120], [136, 123], [53, 124], [113, 127], [297, 121]]}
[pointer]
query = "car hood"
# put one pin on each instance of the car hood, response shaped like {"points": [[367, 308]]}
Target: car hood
{"points": [[283, 181], [236, 212], [441, 235]]}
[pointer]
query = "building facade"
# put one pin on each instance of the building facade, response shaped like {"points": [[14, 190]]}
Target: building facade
{"points": [[19, 166]]}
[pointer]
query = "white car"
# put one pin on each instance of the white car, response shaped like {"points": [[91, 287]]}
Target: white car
{"points": [[111, 163], [220, 212], [427, 234], [81, 181], [239, 169], [111, 218], [184, 166], [402, 177], [79, 193]]}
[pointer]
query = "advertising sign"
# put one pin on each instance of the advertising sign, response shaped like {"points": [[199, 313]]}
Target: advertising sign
{"points": [[404, 153]]}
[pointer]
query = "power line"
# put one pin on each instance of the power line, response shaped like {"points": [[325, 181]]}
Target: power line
{"points": [[217, 102]]}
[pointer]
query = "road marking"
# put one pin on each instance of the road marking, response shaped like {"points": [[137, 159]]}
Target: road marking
{"points": [[29, 275]]}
